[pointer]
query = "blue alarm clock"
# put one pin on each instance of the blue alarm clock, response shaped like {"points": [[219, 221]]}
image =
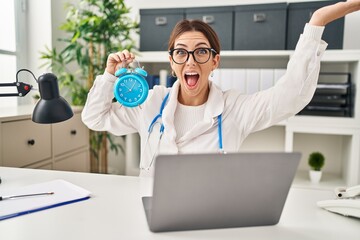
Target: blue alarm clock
{"points": [[131, 88]]}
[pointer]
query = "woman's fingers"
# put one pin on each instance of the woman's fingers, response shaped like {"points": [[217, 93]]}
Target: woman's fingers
{"points": [[119, 59]]}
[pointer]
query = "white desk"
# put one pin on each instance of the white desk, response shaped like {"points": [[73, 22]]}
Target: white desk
{"points": [[115, 212]]}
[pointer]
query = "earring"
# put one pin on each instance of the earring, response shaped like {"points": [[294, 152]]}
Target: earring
{"points": [[212, 74], [173, 74]]}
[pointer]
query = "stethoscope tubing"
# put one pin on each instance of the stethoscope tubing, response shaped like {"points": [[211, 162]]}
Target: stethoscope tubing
{"points": [[162, 128], [159, 116], [220, 133]]}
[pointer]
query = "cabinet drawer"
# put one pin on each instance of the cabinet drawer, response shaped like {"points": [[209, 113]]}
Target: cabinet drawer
{"points": [[69, 135], [300, 13], [25, 142], [156, 26], [260, 27], [76, 163], [219, 18], [46, 165]]}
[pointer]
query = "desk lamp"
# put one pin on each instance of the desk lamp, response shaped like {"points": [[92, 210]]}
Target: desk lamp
{"points": [[51, 107]]}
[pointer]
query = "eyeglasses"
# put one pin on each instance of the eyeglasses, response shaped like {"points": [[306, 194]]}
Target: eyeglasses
{"points": [[200, 55]]}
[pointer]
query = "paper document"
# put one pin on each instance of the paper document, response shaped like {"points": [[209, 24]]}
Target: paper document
{"points": [[64, 193]]}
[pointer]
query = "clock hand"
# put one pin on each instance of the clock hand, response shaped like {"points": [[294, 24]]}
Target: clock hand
{"points": [[127, 88], [130, 89], [132, 86]]}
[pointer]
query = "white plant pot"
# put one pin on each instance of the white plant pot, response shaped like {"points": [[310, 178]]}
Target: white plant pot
{"points": [[315, 176]]}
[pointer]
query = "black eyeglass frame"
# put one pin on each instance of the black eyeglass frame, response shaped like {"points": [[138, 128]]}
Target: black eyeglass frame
{"points": [[171, 51]]}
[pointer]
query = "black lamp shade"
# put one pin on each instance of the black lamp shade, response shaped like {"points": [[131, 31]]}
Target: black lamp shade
{"points": [[51, 107]]}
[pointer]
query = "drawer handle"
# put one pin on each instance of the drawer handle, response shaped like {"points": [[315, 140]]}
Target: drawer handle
{"points": [[209, 19], [31, 142], [259, 17], [160, 21], [73, 132]]}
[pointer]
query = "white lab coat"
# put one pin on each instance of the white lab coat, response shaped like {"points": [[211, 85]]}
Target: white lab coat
{"points": [[241, 114]]}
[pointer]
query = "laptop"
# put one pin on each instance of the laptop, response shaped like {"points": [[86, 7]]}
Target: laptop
{"points": [[209, 191]]}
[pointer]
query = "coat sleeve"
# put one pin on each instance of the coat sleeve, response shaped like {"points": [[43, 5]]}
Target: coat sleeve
{"points": [[292, 92], [101, 114]]}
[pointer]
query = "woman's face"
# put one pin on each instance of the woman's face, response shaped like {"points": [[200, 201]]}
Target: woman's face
{"points": [[193, 77]]}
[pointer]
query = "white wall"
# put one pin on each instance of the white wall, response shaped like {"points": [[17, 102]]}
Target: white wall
{"points": [[352, 31], [39, 32], [58, 16], [43, 20]]}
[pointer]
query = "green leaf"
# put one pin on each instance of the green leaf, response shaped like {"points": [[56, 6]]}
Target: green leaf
{"points": [[75, 37]]}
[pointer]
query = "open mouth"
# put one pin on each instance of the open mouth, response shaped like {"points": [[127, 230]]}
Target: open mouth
{"points": [[191, 79]]}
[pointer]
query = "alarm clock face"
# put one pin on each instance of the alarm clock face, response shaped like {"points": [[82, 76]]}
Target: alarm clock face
{"points": [[131, 90]]}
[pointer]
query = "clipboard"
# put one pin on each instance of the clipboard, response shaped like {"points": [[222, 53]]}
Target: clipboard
{"points": [[64, 193]]}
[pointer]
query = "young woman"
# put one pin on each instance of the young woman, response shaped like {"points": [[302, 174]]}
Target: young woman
{"points": [[195, 115]]}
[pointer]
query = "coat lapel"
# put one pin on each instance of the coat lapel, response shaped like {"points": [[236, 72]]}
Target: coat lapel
{"points": [[214, 107], [168, 142]]}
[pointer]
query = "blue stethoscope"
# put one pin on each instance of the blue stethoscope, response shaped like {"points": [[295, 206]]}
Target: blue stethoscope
{"points": [[162, 128]]}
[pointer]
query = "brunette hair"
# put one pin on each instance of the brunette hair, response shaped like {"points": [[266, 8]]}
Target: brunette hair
{"points": [[198, 26]]}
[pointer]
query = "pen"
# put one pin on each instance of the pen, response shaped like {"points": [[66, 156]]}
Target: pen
{"points": [[25, 195]]}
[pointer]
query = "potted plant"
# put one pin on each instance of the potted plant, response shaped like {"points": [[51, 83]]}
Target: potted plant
{"points": [[316, 162], [93, 29]]}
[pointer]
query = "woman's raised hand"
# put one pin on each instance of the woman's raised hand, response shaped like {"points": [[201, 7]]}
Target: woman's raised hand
{"points": [[118, 60], [327, 14]]}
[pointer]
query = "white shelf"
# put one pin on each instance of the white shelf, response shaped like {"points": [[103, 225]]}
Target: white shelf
{"points": [[341, 56], [23, 111], [152, 57], [315, 124], [328, 181]]}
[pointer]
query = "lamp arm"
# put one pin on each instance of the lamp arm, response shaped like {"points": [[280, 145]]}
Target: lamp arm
{"points": [[22, 89]]}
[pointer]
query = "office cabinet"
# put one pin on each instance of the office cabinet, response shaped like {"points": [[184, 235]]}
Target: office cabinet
{"points": [[271, 26], [219, 18], [69, 135], [46, 165], [156, 26], [260, 27], [75, 162], [24, 142], [60, 146], [300, 13]]}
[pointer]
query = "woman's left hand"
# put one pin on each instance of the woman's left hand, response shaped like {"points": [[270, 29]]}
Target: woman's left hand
{"points": [[327, 14]]}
